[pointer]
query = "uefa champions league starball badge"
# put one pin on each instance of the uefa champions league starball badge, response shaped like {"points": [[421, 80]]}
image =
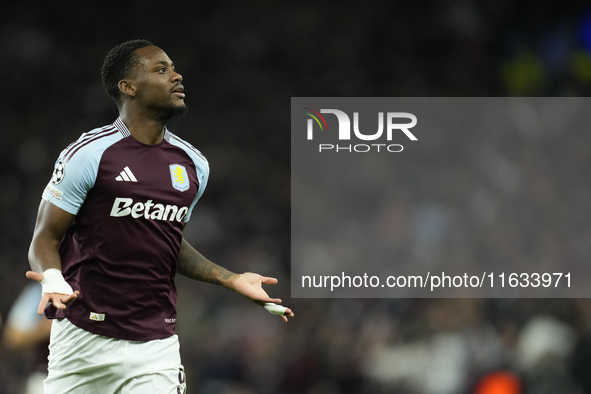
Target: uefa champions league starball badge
{"points": [[58, 172]]}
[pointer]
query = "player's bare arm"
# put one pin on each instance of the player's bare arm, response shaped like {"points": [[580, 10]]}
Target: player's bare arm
{"points": [[194, 265], [52, 223]]}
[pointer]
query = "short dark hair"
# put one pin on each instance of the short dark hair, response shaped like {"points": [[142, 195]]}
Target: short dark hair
{"points": [[118, 65]]}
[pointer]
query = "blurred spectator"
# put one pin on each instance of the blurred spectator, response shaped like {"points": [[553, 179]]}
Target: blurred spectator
{"points": [[28, 332]]}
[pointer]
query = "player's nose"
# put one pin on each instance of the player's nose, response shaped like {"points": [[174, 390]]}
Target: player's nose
{"points": [[176, 77]]}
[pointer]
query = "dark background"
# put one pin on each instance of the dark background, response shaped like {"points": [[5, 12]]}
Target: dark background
{"points": [[242, 61]]}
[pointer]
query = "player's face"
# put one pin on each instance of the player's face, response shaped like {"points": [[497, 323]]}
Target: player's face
{"points": [[157, 82]]}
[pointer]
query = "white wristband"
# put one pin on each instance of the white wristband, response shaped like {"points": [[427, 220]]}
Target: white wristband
{"points": [[54, 282], [275, 309]]}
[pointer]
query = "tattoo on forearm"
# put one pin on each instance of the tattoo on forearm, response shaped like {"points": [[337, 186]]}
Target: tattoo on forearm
{"points": [[193, 265]]}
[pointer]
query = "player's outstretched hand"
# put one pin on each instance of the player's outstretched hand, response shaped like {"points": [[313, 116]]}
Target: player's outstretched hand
{"points": [[250, 285], [59, 300]]}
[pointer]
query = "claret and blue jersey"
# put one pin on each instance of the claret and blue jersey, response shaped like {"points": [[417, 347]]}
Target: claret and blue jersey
{"points": [[131, 202]]}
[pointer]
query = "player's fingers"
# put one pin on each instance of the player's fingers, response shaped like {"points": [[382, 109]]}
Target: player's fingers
{"points": [[287, 313], [57, 302], [268, 280], [41, 307], [70, 297], [264, 300], [273, 300], [261, 297], [43, 303], [35, 276]]}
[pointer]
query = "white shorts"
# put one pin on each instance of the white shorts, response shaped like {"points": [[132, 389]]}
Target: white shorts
{"points": [[83, 362]]}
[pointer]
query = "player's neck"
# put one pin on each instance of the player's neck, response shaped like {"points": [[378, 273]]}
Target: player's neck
{"points": [[143, 128]]}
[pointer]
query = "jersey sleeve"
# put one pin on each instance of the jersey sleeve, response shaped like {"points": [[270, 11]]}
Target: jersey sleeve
{"points": [[202, 167], [70, 182]]}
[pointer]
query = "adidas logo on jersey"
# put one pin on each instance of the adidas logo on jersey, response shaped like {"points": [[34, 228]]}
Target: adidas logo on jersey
{"points": [[126, 175], [123, 207]]}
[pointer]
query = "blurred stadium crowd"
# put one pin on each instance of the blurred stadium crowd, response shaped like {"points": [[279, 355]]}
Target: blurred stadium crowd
{"points": [[242, 61]]}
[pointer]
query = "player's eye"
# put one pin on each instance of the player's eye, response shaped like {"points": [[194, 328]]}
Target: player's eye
{"points": [[162, 70]]}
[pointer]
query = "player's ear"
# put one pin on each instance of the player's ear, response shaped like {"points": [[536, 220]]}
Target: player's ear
{"points": [[127, 87]]}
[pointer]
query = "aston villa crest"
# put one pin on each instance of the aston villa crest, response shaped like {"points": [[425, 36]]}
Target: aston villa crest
{"points": [[179, 177]]}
